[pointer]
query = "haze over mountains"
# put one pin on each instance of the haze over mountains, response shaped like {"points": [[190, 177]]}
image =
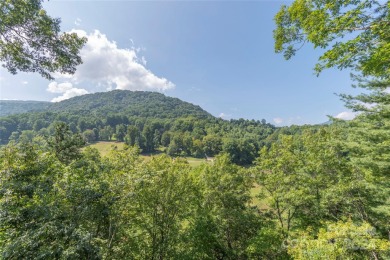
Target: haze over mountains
{"points": [[9, 107]]}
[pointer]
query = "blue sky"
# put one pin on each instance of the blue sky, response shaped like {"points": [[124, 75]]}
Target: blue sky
{"points": [[216, 54]]}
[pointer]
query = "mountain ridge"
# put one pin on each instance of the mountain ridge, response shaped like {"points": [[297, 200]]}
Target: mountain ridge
{"points": [[10, 107], [135, 103]]}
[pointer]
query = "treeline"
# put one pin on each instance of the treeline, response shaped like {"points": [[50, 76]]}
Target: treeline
{"points": [[185, 136], [147, 119], [303, 199]]}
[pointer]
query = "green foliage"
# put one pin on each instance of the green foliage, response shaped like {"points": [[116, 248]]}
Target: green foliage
{"points": [[26, 189], [148, 120], [40, 217], [269, 243], [119, 206], [31, 40], [241, 151], [223, 223], [355, 34], [136, 103], [307, 179], [65, 144], [89, 135], [10, 107], [340, 240], [158, 203], [120, 132]]}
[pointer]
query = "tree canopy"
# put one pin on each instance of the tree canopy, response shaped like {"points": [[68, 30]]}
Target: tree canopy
{"points": [[31, 40], [355, 34]]}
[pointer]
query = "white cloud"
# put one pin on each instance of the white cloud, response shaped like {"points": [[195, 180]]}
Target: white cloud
{"points": [[109, 67], [24, 82], [143, 61], [70, 93], [225, 116], [66, 89], [77, 21], [346, 115], [54, 87], [278, 120]]}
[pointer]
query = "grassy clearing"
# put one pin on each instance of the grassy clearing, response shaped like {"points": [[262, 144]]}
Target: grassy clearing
{"points": [[105, 147], [261, 204], [195, 162]]}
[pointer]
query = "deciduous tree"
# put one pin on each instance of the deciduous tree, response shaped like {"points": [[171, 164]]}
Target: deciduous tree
{"points": [[31, 40]]}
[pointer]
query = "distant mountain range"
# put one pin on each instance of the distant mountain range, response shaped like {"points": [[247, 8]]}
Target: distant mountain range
{"points": [[10, 107]]}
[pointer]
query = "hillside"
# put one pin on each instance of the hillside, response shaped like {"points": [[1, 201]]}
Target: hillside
{"points": [[10, 107], [148, 119], [131, 103]]}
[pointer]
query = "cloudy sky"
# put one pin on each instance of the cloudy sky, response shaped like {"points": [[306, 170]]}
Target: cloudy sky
{"points": [[216, 54]]}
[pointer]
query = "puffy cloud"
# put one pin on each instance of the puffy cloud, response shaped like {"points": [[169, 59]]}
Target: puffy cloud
{"points": [[346, 115], [54, 87], [225, 116], [24, 82], [110, 67], [66, 89], [278, 120], [70, 93]]}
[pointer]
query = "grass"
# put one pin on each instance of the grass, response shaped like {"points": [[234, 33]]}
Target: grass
{"points": [[260, 204], [195, 162], [104, 147]]}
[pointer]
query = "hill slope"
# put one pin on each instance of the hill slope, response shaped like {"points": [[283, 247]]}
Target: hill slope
{"points": [[131, 103]]}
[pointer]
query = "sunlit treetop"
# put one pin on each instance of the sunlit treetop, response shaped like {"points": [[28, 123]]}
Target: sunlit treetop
{"points": [[354, 34], [31, 40]]}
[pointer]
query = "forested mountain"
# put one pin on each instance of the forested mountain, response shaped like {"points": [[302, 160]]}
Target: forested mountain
{"points": [[147, 119], [133, 103], [9, 107]]}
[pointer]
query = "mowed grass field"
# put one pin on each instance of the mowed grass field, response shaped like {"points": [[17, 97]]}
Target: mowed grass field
{"points": [[105, 147]]}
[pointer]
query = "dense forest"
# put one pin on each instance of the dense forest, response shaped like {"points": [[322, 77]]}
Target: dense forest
{"points": [[149, 120], [298, 192], [303, 197]]}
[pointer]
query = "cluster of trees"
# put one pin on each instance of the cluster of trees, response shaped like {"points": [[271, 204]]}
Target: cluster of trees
{"points": [[303, 199], [58, 202], [185, 135], [354, 36], [313, 193]]}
